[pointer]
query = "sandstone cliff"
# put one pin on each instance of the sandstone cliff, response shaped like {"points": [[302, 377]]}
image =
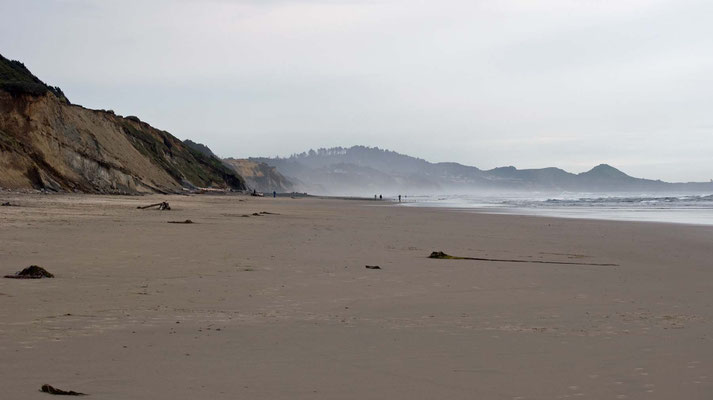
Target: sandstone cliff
{"points": [[261, 176], [47, 143]]}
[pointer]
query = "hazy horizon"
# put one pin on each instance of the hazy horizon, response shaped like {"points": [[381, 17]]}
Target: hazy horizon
{"points": [[584, 169], [486, 83]]}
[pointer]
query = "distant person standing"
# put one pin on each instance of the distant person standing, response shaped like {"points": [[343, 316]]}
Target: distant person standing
{"points": [[274, 194], [380, 198], [399, 198]]}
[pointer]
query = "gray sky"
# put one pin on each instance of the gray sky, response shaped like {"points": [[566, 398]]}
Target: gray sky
{"points": [[484, 83]]}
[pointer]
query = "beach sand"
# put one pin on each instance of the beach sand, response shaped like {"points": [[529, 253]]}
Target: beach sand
{"points": [[281, 306]]}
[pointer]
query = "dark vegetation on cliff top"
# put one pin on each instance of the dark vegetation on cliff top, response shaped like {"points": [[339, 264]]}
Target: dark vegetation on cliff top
{"points": [[15, 78]]}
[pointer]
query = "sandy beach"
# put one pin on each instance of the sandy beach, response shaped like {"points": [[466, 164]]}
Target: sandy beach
{"points": [[281, 306]]}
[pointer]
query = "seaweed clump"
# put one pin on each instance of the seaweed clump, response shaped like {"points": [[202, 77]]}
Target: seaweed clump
{"points": [[53, 390], [443, 256], [31, 272]]}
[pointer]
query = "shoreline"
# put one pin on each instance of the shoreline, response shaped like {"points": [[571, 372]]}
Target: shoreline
{"points": [[524, 213], [597, 214], [504, 211], [280, 305]]}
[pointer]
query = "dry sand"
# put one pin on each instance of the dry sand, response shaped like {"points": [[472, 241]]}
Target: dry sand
{"points": [[281, 306]]}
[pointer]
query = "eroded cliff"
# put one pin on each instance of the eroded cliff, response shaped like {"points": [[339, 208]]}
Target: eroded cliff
{"points": [[47, 143]]}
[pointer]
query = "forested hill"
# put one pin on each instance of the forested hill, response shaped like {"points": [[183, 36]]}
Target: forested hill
{"points": [[363, 170]]}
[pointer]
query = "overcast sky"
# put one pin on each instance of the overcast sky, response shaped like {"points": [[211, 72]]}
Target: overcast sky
{"points": [[485, 83]]}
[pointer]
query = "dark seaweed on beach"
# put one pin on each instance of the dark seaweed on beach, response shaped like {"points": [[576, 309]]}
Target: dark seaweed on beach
{"points": [[53, 390], [31, 272]]}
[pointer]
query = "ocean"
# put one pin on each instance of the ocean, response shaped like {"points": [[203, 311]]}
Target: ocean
{"points": [[670, 208]]}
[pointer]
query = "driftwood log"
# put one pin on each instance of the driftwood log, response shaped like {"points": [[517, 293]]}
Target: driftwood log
{"points": [[161, 206]]}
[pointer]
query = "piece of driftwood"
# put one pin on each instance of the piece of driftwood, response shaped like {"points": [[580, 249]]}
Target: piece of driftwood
{"points": [[372, 267], [53, 390], [188, 221], [161, 206], [443, 256], [31, 272]]}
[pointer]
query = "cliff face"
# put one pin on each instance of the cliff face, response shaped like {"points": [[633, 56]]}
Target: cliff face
{"points": [[260, 176], [46, 143]]}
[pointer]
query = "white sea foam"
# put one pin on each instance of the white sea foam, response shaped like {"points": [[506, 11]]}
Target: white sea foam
{"points": [[670, 207]]}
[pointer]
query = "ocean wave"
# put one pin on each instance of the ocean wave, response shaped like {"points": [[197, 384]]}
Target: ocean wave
{"points": [[633, 201], [672, 208]]}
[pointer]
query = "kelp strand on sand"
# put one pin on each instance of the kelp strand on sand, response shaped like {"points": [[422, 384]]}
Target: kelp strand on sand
{"points": [[443, 256]]}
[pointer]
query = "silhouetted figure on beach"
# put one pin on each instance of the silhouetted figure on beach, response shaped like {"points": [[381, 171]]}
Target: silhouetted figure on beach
{"points": [[399, 198], [274, 194], [380, 197]]}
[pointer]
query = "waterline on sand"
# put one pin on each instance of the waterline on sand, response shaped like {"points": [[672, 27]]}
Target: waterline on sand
{"points": [[669, 208]]}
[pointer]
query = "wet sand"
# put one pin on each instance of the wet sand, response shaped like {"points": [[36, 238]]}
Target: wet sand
{"points": [[281, 306]]}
